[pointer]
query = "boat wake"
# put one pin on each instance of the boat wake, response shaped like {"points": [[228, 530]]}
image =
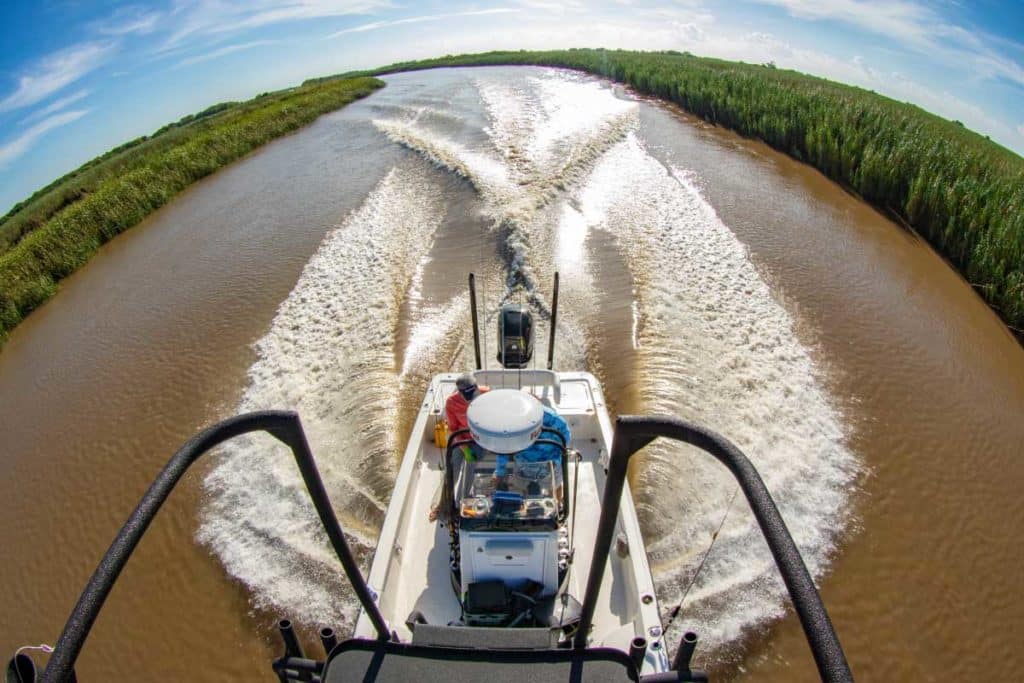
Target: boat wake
{"points": [[564, 182], [715, 347], [330, 356], [565, 135]]}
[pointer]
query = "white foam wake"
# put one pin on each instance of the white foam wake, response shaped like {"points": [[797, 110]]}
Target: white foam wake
{"points": [[552, 128], [712, 345], [544, 138], [330, 356], [717, 348]]}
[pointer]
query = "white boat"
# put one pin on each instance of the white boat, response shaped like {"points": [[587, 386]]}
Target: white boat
{"points": [[415, 561], [542, 578]]}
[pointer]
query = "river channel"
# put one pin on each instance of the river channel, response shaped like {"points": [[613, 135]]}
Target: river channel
{"points": [[703, 275]]}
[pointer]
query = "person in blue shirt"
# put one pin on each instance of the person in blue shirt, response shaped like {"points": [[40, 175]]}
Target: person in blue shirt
{"points": [[540, 452]]}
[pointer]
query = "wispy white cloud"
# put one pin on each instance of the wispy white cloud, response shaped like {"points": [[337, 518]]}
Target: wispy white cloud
{"points": [[551, 6], [221, 51], [196, 18], [54, 72], [1020, 130], [14, 148], [992, 65], [689, 31], [416, 20], [275, 12], [55, 106], [908, 21], [916, 26], [127, 21]]}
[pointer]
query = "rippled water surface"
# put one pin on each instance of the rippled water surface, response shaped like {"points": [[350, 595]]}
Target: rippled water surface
{"points": [[702, 275]]}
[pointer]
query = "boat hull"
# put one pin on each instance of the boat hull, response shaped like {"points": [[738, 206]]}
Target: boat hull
{"points": [[411, 569]]}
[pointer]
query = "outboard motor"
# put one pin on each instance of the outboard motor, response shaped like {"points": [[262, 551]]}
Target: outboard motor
{"points": [[515, 336]]}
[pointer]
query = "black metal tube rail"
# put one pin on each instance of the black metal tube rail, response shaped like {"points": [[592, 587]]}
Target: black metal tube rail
{"points": [[633, 433], [282, 425]]}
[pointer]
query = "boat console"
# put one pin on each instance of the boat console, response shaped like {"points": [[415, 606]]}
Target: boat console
{"points": [[509, 544], [527, 501]]}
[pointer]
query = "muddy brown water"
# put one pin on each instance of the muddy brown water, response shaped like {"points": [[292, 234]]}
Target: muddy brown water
{"points": [[156, 337]]}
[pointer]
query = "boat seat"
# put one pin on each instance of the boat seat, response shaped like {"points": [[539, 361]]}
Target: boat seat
{"points": [[484, 638], [375, 660]]}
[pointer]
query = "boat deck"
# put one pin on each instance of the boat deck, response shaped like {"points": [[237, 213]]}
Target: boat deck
{"points": [[411, 568], [382, 661]]}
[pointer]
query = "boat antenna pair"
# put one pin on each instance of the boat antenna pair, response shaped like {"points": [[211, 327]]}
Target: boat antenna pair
{"points": [[475, 321]]}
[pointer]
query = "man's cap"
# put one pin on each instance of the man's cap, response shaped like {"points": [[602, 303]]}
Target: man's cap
{"points": [[465, 382]]}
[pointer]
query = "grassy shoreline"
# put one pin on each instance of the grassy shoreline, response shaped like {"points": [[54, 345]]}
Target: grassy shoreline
{"points": [[57, 230], [958, 190]]}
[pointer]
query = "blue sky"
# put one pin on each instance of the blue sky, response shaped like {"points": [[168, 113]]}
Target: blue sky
{"points": [[79, 77]]}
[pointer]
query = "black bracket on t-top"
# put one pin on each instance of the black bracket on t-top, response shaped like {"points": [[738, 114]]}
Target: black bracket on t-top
{"points": [[282, 425], [476, 324], [633, 433], [554, 319]]}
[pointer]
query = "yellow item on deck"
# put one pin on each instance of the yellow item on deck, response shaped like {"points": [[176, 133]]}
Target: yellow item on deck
{"points": [[441, 433]]}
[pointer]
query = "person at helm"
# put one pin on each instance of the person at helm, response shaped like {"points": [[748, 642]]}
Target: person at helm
{"points": [[456, 406], [455, 409]]}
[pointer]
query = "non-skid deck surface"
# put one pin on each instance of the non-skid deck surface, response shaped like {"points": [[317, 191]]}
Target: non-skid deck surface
{"points": [[424, 583], [369, 661]]}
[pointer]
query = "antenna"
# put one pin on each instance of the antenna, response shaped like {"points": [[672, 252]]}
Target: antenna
{"points": [[554, 319], [476, 325]]}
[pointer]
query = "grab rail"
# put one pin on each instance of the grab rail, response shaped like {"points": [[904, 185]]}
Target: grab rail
{"points": [[633, 433], [282, 425], [517, 379]]}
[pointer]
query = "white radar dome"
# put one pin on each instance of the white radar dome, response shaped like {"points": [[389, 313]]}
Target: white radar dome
{"points": [[505, 420]]}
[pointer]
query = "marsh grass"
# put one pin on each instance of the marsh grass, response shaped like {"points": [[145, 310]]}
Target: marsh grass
{"points": [[59, 228]]}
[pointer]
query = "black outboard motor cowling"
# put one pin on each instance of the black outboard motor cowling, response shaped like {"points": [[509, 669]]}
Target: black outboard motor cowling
{"points": [[515, 336]]}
